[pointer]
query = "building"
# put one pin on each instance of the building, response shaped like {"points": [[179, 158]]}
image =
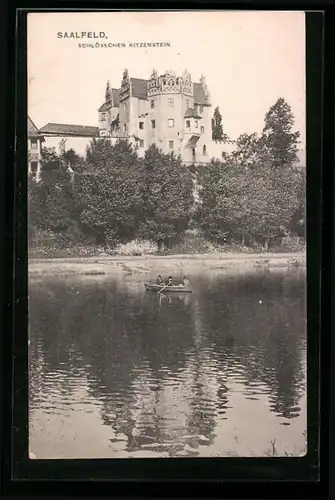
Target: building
{"points": [[35, 140], [76, 137], [169, 111]]}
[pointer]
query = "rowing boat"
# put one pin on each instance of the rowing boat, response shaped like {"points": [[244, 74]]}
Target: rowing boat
{"points": [[153, 287]]}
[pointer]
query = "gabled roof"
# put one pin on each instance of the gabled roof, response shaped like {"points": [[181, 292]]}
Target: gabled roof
{"points": [[139, 88], [32, 129], [199, 95], [114, 102], [191, 113], [105, 106], [70, 130]]}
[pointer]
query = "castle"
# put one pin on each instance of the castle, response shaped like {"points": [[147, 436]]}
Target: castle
{"points": [[169, 111]]}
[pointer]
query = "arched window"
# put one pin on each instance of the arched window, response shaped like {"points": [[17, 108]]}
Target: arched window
{"points": [[204, 149]]}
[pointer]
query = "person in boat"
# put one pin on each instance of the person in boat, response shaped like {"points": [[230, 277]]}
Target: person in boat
{"points": [[169, 281], [185, 282], [160, 280]]}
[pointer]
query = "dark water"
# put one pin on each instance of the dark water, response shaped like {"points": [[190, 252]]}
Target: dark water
{"points": [[118, 372]]}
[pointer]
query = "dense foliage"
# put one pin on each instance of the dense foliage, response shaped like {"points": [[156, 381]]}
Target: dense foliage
{"points": [[166, 197], [254, 195]]}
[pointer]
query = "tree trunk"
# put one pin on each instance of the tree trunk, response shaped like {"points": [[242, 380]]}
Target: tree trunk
{"points": [[266, 245]]}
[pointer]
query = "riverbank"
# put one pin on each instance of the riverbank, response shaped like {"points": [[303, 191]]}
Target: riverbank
{"points": [[173, 264]]}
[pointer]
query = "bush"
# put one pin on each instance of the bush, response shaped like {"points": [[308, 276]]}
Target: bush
{"points": [[136, 248]]}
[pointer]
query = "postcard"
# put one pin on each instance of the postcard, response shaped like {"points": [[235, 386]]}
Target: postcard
{"points": [[167, 247]]}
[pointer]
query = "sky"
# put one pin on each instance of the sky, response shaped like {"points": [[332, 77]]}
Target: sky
{"points": [[249, 60]]}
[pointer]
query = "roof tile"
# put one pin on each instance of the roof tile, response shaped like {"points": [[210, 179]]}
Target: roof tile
{"points": [[68, 129]]}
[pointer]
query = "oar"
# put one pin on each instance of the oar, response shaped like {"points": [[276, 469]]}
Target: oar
{"points": [[159, 291]]}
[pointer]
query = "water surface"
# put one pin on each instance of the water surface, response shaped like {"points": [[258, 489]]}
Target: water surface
{"points": [[118, 372]]}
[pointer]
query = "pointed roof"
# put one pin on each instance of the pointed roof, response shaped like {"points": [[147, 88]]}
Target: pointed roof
{"points": [[110, 103], [199, 95], [32, 129], [139, 88], [67, 129], [191, 113]]}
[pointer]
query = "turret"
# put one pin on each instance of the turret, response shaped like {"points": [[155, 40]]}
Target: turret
{"points": [[108, 94], [125, 86]]}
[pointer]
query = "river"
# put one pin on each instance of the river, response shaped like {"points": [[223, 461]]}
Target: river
{"points": [[117, 372]]}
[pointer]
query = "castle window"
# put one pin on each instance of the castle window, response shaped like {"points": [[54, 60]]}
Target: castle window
{"points": [[141, 143], [202, 129], [187, 103], [171, 122], [125, 127], [170, 102], [152, 103], [33, 143], [188, 123], [196, 123], [171, 145], [153, 123], [141, 125], [102, 117], [204, 150]]}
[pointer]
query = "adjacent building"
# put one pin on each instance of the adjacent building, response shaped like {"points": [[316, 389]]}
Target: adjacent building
{"points": [[168, 110], [35, 140]]}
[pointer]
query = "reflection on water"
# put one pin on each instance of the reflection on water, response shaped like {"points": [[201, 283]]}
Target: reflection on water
{"points": [[119, 372]]}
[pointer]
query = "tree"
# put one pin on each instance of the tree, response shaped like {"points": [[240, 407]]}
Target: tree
{"points": [[166, 188], [107, 192], [73, 160], [221, 209], [217, 130], [272, 201], [250, 150], [280, 141], [238, 202], [298, 222], [51, 201]]}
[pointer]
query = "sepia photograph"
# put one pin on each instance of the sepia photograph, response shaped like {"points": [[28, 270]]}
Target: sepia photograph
{"points": [[167, 234]]}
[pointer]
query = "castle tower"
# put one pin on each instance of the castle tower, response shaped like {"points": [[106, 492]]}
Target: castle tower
{"points": [[168, 110]]}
